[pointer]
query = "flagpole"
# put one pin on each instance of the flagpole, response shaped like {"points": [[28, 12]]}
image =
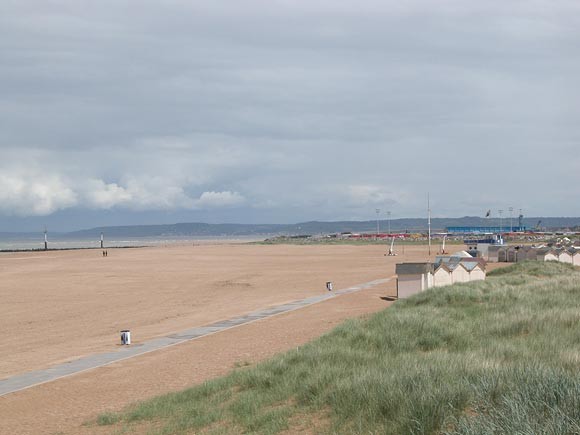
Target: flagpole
{"points": [[429, 221]]}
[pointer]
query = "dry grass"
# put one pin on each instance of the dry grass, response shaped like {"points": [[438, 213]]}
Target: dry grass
{"points": [[497, 356]]}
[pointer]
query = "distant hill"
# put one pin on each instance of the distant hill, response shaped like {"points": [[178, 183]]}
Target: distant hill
{"points": [[197, 229]]}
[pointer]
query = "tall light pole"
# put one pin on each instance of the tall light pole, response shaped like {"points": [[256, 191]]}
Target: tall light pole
{"points": [[389, 221], [511, 209], [500, 220], [378, 210]]}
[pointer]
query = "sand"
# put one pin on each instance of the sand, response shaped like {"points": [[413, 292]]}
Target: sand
{"points": [[58, 306]]}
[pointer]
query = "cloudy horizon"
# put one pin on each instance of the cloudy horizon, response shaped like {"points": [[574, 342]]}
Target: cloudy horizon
{"points": [[122, 112]]}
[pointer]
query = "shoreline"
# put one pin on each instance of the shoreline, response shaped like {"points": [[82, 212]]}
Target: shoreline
{"points": [[14, 251]]}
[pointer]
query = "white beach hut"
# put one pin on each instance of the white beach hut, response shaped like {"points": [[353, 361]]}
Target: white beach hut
{"points": [[546, 254], [565, 257], [442, 276], [413, 278], [459, 273]]}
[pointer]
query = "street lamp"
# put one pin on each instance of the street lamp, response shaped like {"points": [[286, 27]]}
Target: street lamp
{"points": [[378, 210], [511, 209], [389, 221], [500, 220]]}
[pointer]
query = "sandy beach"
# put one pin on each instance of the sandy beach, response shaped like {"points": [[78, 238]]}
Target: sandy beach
{"points": [[59, 306]]}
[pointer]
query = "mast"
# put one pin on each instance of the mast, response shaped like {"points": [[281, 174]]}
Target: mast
{"points": [[429, 221]]}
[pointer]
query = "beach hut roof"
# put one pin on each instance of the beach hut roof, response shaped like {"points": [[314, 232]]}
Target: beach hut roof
{"points": [[462, 254], [413, 268]]}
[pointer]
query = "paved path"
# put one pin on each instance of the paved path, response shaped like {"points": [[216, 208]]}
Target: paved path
{"points": [[30, 379]]}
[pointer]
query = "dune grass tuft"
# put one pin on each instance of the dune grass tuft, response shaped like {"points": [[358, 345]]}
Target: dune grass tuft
{"points": [[495, 356]]}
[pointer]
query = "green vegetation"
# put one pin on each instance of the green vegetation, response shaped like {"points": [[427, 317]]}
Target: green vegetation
{"points": [[488, 357]]}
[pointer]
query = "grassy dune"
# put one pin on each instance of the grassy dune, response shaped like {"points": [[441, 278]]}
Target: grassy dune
{"points": [[498, 356]]}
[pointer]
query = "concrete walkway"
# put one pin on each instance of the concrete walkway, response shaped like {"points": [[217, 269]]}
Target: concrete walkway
{"points": [[30, 379]]}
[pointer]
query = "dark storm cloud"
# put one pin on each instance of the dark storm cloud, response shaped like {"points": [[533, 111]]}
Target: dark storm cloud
{"points": [[313, 109]]}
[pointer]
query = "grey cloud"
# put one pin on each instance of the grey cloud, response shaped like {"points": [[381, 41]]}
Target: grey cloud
{"points": [[314, 109]]}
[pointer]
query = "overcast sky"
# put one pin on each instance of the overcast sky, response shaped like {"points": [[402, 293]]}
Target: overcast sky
{"points": [[117, 112]]}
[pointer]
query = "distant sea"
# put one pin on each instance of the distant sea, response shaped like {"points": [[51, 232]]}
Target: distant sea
{"points": [[14, 242]]}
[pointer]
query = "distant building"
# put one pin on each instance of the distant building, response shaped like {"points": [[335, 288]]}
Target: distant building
{"points": [[479, 246], [484, 230]]}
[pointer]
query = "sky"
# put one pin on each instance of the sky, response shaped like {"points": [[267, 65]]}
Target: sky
{"points": [[129, 112]]}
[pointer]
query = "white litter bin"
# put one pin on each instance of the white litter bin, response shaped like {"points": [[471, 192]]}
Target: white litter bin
{"points": [[125, 337]]}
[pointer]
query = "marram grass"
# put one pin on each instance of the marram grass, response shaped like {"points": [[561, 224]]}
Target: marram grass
{"points": [[500, 356]]}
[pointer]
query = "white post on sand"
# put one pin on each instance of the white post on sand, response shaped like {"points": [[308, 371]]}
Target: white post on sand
{"points": [[125, 337]]}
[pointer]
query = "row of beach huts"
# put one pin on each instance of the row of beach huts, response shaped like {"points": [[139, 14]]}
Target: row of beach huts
{"points": [[515, 254], [445, 270], [461, 266]]}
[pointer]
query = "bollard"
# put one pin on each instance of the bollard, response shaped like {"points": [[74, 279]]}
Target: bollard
{"points": [[329, 286], [125, 337]]}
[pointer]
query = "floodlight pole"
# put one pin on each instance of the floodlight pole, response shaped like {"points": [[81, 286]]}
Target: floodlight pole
{"points": [[378, 210], [511, 209], [389, 221], [500, 221]]}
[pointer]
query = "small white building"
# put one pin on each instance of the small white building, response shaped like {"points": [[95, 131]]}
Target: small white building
{"points": [[413, 278]]}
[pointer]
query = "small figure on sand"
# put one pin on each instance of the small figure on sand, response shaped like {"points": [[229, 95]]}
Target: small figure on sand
{"points": [[105, 254], [329, 286]]}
